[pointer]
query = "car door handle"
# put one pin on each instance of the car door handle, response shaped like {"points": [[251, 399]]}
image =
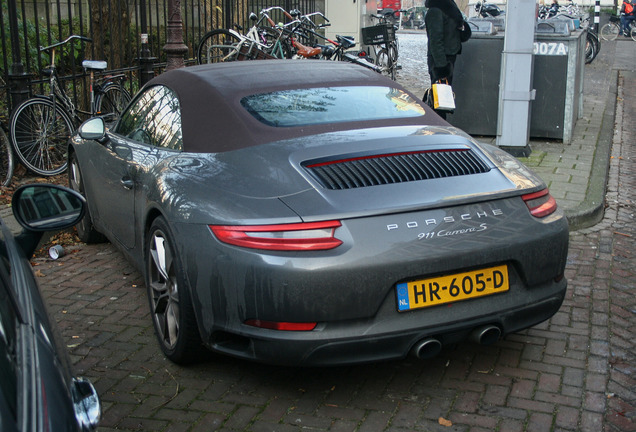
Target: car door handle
{"points": [[127, 183]]}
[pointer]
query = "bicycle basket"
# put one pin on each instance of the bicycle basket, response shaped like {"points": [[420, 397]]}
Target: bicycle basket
{"points": [[378, 34], [250, 51]]}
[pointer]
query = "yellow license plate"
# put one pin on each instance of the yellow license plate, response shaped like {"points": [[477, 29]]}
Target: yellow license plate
{"points": [[446, 289]]}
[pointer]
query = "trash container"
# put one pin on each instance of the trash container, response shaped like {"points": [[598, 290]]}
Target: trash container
{"points": [[557, 78], [559, 64], [476, 80]]}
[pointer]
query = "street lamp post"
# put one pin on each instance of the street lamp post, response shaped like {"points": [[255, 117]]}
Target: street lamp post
{"points": [[174, 47]]}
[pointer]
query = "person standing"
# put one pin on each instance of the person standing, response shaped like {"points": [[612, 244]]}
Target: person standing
{"points": [[444, 23]]}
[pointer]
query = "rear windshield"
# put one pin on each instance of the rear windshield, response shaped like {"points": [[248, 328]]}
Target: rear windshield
{"points": [[312, 106]]}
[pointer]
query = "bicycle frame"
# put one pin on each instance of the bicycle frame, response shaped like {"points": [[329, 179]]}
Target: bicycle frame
{"points": [[57, 95]]}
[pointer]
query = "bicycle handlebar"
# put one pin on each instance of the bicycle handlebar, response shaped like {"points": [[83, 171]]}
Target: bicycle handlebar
{"points": [[277, 8], [320, 14], [389, 14], [68, 39]]}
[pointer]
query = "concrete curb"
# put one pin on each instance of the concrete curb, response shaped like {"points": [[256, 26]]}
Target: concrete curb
{"points": [[591, 210]]}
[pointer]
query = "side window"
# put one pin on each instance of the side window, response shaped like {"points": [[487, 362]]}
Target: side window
{"points": [[154, 119]]}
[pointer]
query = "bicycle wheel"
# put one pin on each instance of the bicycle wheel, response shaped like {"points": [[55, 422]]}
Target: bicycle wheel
{"points": [[111, 101], [609, 32], [40, 132], [633, 32], [216, 45], [592, 47], [384, 61], [393, 50], [6, 160]]}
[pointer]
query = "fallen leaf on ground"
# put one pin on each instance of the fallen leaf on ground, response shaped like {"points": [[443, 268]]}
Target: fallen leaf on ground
{"points": [[444, 422]]}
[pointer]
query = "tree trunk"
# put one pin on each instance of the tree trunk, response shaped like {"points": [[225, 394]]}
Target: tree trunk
{"points": [[110, 21]]}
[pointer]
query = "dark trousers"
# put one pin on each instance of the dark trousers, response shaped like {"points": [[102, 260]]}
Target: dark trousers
{"points": [[626, 21]]}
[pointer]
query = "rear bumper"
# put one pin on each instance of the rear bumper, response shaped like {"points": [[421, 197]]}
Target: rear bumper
{"points": [[352, 291], [370, 341]]}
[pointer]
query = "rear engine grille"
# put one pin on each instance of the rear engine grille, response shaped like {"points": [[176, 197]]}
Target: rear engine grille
{"points": [[396, 168]]}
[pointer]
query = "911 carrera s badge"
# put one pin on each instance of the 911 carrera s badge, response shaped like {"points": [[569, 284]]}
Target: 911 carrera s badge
{"points": [[446, 289], [452, 232]]}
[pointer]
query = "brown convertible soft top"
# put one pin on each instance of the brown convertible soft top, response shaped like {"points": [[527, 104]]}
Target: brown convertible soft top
{"points": [[213, 119]]}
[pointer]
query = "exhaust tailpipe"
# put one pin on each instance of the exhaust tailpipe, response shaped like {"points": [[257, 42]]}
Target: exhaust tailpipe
{"points": [[426, 348], [486, 335]]}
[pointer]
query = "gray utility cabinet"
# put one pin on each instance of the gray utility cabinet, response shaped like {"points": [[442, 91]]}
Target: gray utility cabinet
{"points": [[557, 78]]}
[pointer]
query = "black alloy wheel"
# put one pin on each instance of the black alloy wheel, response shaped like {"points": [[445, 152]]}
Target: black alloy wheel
{"points": [[170, 304]]}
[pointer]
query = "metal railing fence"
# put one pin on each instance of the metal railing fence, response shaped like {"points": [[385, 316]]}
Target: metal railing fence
{"points": [[116, 28]]}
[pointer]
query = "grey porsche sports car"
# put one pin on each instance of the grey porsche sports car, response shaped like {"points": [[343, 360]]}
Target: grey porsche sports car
{"points": [[316, 213]]}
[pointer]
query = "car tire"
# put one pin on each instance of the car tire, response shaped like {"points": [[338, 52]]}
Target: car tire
{"points": [[169, 298], [85, 229]]}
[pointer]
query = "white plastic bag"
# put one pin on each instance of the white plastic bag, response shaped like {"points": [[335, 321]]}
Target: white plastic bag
{"points": [[443, 97]]}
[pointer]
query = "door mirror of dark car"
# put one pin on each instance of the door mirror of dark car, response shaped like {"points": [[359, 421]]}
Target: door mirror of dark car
{"points": [[85, 404], [93, 129], [47, 207]]}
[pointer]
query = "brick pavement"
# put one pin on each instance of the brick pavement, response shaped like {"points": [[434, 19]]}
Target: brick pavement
{"points": [[574, 372]]}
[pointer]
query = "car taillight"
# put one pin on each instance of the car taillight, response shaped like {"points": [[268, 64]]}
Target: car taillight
{"points": [[283, 326], [540, 204], [286, 237]]}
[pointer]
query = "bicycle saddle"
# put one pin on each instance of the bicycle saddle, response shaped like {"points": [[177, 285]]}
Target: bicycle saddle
{"points": [[306, 51], [94, 64]]}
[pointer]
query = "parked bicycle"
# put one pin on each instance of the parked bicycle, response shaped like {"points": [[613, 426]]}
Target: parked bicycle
{"points": [[339, 50], [41, 126], [611, 30], [383, 35], [388, 17], [263, 40], [6, 159], [592, 45]]}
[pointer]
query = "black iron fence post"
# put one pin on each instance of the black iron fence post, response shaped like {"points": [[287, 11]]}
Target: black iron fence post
{"points": [[18, 79], [146, 62], [227, 14]]}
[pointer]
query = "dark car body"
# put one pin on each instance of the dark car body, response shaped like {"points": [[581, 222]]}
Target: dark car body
{"points": [[38, 391], [315, 213]]}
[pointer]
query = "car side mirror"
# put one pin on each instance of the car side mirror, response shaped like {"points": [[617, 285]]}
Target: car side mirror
{"points": [[93, 129], [44, 207], [47, 207]]}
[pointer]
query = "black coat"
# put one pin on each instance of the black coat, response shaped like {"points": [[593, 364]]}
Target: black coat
{"points": [[443, 21]]}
